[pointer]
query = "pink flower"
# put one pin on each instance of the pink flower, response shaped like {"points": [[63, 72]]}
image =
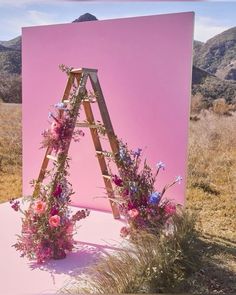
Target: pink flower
{"points": [[55, 127], [170, 209], [69, 229], [39, 207], [54, 220], [133, 213], [124, 232]]}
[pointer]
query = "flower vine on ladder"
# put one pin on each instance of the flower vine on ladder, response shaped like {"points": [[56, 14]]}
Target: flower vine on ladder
{"points": [[143, 207], [48, 224]]}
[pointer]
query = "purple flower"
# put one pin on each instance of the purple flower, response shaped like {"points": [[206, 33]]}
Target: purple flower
{"points": [[154, 198], [50, 115], [60, 106], [161, 165], [178, 179], [133, 188], [122, 153], [15, 205], [137, 152]]}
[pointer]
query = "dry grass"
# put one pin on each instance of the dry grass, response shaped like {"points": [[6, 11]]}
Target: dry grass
{"points": [[148, 264], [212, 174], [211, 195], [207, 265], [10, 151]]}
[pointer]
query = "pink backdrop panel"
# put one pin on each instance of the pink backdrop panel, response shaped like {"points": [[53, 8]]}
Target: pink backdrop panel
{"points": [[144, 67]]}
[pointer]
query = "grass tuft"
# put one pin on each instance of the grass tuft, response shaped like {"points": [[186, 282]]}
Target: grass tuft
{"points": [[148, 264]]}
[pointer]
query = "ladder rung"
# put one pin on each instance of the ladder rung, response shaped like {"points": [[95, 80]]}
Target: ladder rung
{"points": [[103, 153], [50, 157], [88, 125], [89, 100], [106, 176], [66, 101]]}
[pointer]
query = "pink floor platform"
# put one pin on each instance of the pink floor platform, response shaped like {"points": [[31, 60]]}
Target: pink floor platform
{"points": [[96, 235]]}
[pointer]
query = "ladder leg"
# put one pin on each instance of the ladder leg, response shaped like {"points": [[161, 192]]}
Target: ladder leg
{"points": [[104, 112], [101, 160]]}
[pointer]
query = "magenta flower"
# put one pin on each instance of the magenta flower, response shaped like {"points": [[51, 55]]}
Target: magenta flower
{"points": [[170, 209], [54, 211], [58, 190], [117, 180]]}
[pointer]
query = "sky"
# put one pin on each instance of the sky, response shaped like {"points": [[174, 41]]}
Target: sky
{"points": [[211, 17]]}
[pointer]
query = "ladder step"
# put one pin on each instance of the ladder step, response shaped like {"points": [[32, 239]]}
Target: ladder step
{"points": [[66, 101], [89, 100], [50, 157], [106, 176], [78, 71], [103, 153], [89, 125]]}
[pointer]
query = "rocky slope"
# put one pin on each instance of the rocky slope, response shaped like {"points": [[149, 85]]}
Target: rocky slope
{"points": [[218, 55]]}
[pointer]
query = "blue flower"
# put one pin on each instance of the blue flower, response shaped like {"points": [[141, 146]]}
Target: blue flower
{"points": [[60, 106], [154, 198], [178, 179], [122, 153], [133, 187], [161, 165]]}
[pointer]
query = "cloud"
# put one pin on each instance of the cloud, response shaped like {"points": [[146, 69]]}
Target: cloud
{"points": [[206, 28], [18, 3], [26, 19]]}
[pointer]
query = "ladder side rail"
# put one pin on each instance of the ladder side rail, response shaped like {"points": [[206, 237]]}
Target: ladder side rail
{"points": [[49, 150], [104, 112], [101, 159], [82, 80]]}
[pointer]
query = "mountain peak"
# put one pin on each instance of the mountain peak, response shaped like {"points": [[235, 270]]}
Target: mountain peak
{"points": [[85, 17]]}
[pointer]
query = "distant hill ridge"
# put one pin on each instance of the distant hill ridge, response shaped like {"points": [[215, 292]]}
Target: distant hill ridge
{"points": [[214, 70]]}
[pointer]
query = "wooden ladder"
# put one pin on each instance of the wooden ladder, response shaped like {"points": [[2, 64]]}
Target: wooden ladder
{"points": [[80, 76]]}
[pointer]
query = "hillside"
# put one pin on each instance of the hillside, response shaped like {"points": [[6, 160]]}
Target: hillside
{"points": [[211, 87], [218, 55], [13, 43], [214, 70]]}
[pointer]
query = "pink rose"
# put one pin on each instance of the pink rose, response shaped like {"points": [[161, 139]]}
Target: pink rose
{"points": [[133, 213], [55, 126], [54, 220], [39, 207], [170, 209]]}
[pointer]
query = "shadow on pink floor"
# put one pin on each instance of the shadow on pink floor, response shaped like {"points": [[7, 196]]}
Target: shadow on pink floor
{"points": [[97, 235]]}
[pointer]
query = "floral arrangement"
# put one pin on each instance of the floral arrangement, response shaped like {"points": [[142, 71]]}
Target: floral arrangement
{"points": [[143, 207], [47, 224]]}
